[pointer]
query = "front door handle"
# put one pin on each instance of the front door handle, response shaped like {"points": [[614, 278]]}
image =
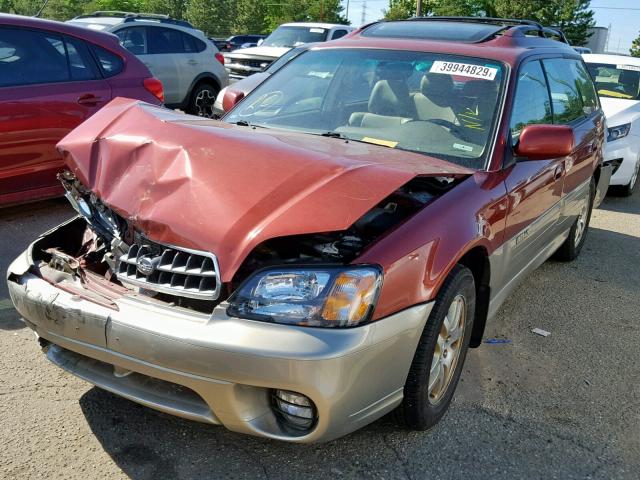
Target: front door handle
{"points": [[89, 99]]}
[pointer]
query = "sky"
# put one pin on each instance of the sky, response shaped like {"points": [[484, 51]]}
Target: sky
{"points": [[622, 15]]}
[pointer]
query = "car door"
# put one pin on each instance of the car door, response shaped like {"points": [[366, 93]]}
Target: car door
{"points": [[50, 84], [144, 43], [534, 187], [574, 102], [167, 49]]}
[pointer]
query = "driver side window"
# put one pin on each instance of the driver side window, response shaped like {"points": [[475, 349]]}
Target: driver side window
{"points": [[531, 103]]}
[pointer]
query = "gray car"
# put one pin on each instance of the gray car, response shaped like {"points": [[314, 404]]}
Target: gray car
{"points": [[190, 66]]}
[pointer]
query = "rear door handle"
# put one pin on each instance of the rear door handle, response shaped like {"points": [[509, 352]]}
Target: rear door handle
{"points": [[192, 62], [89, 99]]}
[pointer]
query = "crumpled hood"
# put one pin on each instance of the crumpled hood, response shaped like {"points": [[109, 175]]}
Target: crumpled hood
{"points": [[222, 188], [262, 52]]}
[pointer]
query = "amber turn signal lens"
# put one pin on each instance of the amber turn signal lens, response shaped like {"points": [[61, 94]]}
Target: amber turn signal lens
{"points": [[352, 297]]}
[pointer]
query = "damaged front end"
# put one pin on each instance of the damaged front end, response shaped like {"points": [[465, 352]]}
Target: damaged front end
{"points": [[103, 255]]}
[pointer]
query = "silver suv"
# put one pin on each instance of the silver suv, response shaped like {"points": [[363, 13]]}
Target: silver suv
{"points": [[190, 66]]}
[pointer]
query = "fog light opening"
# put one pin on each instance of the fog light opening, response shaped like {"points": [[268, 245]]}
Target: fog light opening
{"points": [[294, 410]]}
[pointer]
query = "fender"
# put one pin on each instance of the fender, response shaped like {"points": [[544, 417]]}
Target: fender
{"points": [[418, 255]]}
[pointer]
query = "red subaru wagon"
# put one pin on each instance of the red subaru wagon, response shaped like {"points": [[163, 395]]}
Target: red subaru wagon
{"points": [[330, 250], [53, 76]]}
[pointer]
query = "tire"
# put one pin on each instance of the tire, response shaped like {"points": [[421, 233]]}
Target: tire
{"points": [[202, 99], [571, 247], [627, 190], [421, 407]]}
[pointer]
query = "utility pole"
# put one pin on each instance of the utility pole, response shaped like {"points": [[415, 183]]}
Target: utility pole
{"points": [[418, 8], [363, 18]]}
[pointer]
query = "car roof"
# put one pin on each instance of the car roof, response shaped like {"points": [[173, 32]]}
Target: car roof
{"points": [[151, 23], [316, 25], [609, 58], [508, 43], [99, 37]]}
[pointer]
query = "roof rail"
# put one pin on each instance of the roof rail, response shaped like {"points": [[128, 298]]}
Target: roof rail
{"points": [[106, 13], [516, 24], [488, 20]]}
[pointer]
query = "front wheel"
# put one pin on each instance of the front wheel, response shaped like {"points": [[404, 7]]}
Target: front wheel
{"points": [[627, 190], [571, 247], [202, 100], [441, 352]]}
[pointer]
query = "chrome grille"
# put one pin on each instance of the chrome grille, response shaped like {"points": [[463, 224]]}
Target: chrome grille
{"points": [[172, 270]]}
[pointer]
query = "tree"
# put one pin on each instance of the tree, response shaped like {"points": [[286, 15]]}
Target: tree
{"points": [[635, 47], [574, 17]]}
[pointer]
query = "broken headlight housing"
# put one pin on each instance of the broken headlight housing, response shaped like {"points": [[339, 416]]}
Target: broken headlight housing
{"points": [[310, 296]]}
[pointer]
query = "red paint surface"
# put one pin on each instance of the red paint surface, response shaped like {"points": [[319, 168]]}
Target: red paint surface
{"points": [[212, 186], [35, 117]]}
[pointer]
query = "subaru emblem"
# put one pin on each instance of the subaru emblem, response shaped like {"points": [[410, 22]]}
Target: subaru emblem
{"points": [[147, 265]]}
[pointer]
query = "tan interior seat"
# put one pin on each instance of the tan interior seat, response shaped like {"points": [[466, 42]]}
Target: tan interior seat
{"points": [[390, 103], [435, 99]]}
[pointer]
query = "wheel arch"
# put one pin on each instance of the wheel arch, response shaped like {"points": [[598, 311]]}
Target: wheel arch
{"points": [[204, 77], [477, 260]]}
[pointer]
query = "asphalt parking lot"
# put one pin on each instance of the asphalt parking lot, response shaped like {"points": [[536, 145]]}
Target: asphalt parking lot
{"points": [[564, 406]]}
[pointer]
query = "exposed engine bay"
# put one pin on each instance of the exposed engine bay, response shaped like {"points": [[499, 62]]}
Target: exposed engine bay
{"points": [[107, 251]]}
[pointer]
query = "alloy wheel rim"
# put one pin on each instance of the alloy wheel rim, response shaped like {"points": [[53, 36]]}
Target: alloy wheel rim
{"points": [[204, 103], [581, 223], [447, 350]]}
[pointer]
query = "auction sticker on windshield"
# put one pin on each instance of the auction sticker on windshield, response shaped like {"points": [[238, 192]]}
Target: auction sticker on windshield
{"points": [[464, 70], [632, 68]]}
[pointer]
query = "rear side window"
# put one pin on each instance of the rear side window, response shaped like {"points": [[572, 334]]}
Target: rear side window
{"points": [[566, 98], [531, 103], [192, 44], [110, 63], [134, 39], [338, 34], [165, 40], [586, 87], [33, 56], [81, 64]]}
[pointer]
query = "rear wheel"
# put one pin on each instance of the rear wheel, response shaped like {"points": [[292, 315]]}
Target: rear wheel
{"points": [[440, 355], [202, 99], [571, 247]]}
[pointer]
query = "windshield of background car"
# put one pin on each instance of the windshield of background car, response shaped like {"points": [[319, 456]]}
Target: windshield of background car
{"points": [[293, 36], [616, 81], [442, 105]]}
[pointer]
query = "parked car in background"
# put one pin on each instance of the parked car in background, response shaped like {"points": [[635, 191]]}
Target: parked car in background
{"points": [[53, 76], [236, 91], [248, 61], [617, 80], [582, 50], [239, 41], [188, 64], [330, 251]]}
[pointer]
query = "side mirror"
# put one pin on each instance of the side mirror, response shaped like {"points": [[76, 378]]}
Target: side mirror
{"points": [[230, 99], [260, 42], [539, 142]]}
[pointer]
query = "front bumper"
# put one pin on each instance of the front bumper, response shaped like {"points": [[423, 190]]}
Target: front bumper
{"points": [[218, 369], [626, 149]]}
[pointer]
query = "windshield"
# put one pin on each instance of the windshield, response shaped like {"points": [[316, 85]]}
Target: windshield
{"points": [[441, 105], [616, 81], [293, 36], [284, 59]]}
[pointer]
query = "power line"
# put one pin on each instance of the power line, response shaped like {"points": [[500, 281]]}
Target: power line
{"points": [[617, 8]]}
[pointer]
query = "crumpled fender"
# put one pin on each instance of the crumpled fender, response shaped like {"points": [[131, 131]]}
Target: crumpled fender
{"points": [[222, 188]]}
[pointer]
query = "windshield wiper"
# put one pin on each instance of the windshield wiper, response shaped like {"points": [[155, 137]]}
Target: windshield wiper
{"points": [[333, 135], [244, 123]]}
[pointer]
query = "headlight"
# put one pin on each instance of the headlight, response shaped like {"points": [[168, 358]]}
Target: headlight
{"points": [[614, 133], [310, 296]]}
